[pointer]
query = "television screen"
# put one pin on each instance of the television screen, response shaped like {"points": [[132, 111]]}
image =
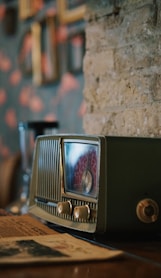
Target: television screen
{"points": [[81, 161]]}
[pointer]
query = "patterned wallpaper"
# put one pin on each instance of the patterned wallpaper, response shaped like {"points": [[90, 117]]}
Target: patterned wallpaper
{"points": [[20, 98]]}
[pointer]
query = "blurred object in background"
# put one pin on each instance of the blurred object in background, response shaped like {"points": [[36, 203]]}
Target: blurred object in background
{"points": [[9, 169], [28, 131]]}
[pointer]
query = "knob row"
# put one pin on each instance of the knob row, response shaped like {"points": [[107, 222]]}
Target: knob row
{"points": [[79, 212], [147, 210]]}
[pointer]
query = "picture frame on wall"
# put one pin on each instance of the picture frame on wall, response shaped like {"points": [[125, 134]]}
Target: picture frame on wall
{"points": [[10, 21], [29, 8], [25, 53], [76, 51], [26, 9], [44, 52], [71, 53], [70, 11]]}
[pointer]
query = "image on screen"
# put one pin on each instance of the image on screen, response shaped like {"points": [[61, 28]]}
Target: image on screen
{"points": [[81, 168]]}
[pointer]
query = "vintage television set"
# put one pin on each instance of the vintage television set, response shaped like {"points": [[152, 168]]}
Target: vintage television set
{"points": [[97, 184]]}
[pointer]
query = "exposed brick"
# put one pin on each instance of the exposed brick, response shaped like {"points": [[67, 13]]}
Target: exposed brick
{"points": [[122, 68]]}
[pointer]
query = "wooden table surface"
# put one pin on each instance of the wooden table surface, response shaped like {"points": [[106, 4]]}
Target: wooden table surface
{"points": [[142, 259], [129, 267]]}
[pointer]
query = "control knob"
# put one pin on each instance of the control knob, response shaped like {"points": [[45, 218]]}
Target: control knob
{"points": [[147, 211], [64, 207], [82, 212]]}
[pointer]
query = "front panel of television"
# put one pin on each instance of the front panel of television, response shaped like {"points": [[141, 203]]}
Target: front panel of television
{"points": [[97, 184]]}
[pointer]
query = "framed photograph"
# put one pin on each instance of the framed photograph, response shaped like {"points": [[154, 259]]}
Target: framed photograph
{"points": [[71, 53], [25, 53], [10, 21], [76, 51], [71, 10], [44, 52], [25, 9], [28, 8]]}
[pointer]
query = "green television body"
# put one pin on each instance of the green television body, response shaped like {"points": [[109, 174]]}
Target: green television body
{"points": [[97, 184]]}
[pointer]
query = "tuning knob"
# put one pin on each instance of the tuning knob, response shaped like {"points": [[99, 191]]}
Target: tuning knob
{"points": [[82, 212], [147, 211], [64, 207]]}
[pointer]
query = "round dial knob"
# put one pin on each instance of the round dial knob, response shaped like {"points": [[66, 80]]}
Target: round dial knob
{"points": [[64, 207], [147, 210], [82, 212]]}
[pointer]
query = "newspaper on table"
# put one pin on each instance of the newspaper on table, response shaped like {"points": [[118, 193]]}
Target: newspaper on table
{"points": [[24, 239]]}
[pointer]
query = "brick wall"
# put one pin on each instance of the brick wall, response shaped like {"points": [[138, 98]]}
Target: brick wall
{"points": [[122, 68]]}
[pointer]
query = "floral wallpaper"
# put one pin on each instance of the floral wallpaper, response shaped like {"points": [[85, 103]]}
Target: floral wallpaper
{"points": [[20, 98]]}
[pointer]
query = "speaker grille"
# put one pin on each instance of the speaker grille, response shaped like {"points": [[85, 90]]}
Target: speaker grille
{"points": [[49, 170]]}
